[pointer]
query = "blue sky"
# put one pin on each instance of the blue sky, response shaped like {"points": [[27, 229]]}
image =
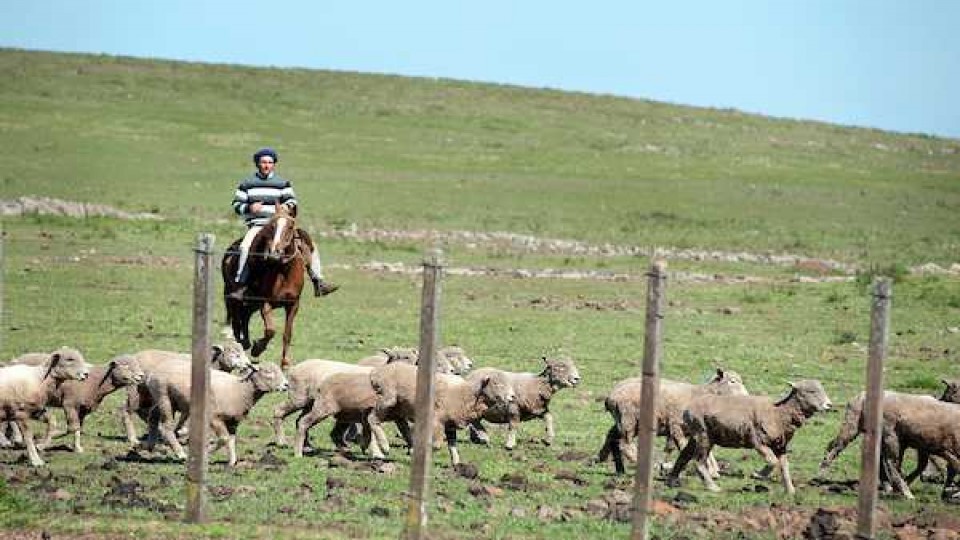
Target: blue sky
{"points": [[889, 64]]}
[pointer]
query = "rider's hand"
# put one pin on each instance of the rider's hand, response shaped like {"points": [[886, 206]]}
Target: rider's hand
{"points": [[256, 207]]}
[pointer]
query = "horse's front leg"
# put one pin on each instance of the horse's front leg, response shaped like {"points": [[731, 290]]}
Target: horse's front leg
{"points": [[291, 313], [266, 313]]}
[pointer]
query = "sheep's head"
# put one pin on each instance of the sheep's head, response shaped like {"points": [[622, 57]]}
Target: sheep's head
{"points": [[951, 393], [727, 383], [496, 391], [457, 360], [67, 363], [268, 377], [810, 395], [560, 372], [125, 370], [230, 357]]}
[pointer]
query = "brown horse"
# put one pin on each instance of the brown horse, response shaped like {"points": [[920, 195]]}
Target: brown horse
{"points": [[276, 267]]}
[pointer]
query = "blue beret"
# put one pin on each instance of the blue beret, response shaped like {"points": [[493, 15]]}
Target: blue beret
{"points": [[265, 152]]}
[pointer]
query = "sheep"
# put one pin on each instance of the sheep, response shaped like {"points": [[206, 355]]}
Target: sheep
{"points": [[747, 422], [350, 398], [853, 420], [449, 359], [533, 392], [24, 390], [305, 377], [387, 355], [673, 397], [80, 398], [231, 399], [930, 426], [227, 357], [457, 401]]}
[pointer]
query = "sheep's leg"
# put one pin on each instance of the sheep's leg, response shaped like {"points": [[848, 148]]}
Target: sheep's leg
{"points": [[512, 425], [785, 473], [451, 435], [548, 420], [232, 443], [849, 430], [608, 441], [296, 401], [317, 414], [404, 428], [371, 445], [32, 452], [4, 441], [16, 434], [126, 414], [953, 465], [713, 466], [51, 426], [166, 427], [891, 456], [74, 424], [181, 429], [775, 462], [612, 446], [478, 434], [704, 450], [923, 459], [688, 452], [221, 438]]}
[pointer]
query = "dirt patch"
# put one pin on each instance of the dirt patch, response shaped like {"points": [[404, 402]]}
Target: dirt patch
{"points": [[58, 207]]}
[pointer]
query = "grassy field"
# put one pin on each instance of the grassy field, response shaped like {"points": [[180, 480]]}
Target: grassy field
{"points": [[405, 154]]}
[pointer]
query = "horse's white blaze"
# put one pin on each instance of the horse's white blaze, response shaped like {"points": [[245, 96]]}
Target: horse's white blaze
{"points": [[278, 233]]}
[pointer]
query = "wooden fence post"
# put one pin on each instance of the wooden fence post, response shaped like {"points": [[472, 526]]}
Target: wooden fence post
{"points": [[873, 409], [199, 382], [423, 428], [650, 386]]}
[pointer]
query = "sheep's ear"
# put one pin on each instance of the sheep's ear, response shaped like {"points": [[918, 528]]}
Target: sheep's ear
{"points": [[545, 361], [55, 359], [945, 382], [719, 372], [484, 383], [112, 365]]}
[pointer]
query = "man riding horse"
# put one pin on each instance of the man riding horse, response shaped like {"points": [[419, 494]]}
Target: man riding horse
{"points": [[256, 200]]}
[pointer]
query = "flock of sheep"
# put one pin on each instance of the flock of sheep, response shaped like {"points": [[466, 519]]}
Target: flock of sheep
{"points": [[380, 389]]}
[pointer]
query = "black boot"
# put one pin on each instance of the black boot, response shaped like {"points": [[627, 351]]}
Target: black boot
{"points": [[323, 288]]}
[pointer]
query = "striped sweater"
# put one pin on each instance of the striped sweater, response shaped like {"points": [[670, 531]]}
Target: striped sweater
{"points": [[269, 191]]}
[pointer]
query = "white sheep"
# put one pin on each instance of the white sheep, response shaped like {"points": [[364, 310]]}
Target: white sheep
{"points": [[534, 392], [305, 378], [930, 426], [673, 397], [80, 398], [231, 399], [853, 419], [24, 390], [348, 397], [229, 356], [747, 422], [458, 402], [450, 359]]}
